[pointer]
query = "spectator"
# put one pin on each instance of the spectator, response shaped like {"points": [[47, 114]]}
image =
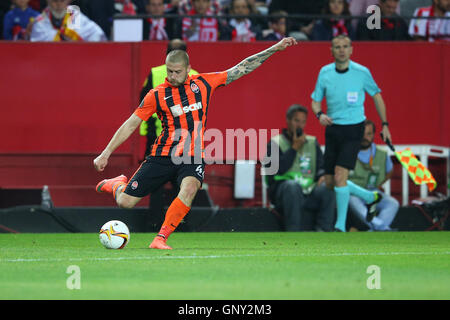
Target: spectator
{"points": [[224, 4], [37, 5], [304, 25], [5, 6], [18, 21], [359, 7], [407, 7], [171, 6], [277, 25], [242, 28], [261, 6], [393, 27], [257, 18], [157, 28], [431, 29], [55, 24], [200, 29], [140, 6], [327, 29], [226, 7], [298, 185], [373, 168], [125, 7], [186, 6], [99, 11]]}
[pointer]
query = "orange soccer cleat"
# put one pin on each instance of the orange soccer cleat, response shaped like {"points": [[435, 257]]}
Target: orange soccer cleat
{"points": [[107, 185], [159, 243]]}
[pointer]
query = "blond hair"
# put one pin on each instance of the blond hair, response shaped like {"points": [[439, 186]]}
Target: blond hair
{"points": [[177, 56]]}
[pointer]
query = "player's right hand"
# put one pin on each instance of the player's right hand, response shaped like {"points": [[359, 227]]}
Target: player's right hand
{"points": [[100, 163]]}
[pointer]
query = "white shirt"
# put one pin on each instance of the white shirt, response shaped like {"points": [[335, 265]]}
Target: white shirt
{"points": [[241, 30], [431, 29], [85, 29]]}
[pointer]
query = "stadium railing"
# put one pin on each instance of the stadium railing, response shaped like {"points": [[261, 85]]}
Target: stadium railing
{"points": [[423, 152], [291, 19]]}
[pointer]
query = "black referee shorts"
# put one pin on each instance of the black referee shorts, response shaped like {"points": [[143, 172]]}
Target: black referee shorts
{"points": [[342, 144], [156, 171]]}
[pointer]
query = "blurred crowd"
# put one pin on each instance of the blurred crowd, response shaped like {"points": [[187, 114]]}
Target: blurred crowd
{"points": [[232, 20]]}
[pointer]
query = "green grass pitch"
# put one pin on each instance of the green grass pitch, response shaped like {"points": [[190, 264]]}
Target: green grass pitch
{"points": [[280, 266]]}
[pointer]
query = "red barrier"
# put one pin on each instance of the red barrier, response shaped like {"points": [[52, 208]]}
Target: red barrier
{"points": [[414, 79], [72, 97], [63, 97], [59, 99]]}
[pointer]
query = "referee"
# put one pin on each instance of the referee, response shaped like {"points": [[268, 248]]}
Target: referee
{"points": [[344, 83]]}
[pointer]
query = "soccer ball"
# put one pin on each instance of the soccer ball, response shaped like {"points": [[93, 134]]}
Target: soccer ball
{"points": [[114, 235]]}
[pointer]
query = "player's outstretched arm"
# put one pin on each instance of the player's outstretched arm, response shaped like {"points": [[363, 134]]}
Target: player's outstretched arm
{"points": [[122, 134], [251, 63]]}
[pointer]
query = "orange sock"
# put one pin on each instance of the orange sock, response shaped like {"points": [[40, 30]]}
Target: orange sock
{"points": [[175, 213]]}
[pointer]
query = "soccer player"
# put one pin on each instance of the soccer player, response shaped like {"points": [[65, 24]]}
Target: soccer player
{"points": [[181, 103], [153, 127], [344, 84]]}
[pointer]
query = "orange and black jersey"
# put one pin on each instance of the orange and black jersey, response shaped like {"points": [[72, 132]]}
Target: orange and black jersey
{"points": [[183, 111]]}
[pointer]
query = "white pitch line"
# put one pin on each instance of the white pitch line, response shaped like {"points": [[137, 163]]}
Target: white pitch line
{"points": [[341, 254]]}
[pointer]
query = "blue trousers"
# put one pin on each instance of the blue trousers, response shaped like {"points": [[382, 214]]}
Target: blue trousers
{"points": [[387, 208]]}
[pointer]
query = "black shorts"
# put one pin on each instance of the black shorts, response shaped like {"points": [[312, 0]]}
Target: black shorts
{"points": [[342, 144], [154, 172]]}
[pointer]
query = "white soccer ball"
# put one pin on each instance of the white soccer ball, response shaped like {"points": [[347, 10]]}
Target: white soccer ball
{"points": [[114, 235]]}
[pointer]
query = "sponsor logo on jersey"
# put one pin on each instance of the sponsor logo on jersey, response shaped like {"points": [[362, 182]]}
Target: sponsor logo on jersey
{"points": [[178, 110], [194, 87], [199, 170]]}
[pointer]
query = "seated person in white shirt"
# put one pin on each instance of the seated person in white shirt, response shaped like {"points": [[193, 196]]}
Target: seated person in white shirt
{"points": [[157, 27], [431, 29], [61, 22]]}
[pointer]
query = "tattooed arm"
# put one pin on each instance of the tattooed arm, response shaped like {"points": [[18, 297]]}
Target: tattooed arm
{"points": [[251, 63]]}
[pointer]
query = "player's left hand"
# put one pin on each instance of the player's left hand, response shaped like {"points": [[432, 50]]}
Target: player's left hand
{"points": [[285, 42]]}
